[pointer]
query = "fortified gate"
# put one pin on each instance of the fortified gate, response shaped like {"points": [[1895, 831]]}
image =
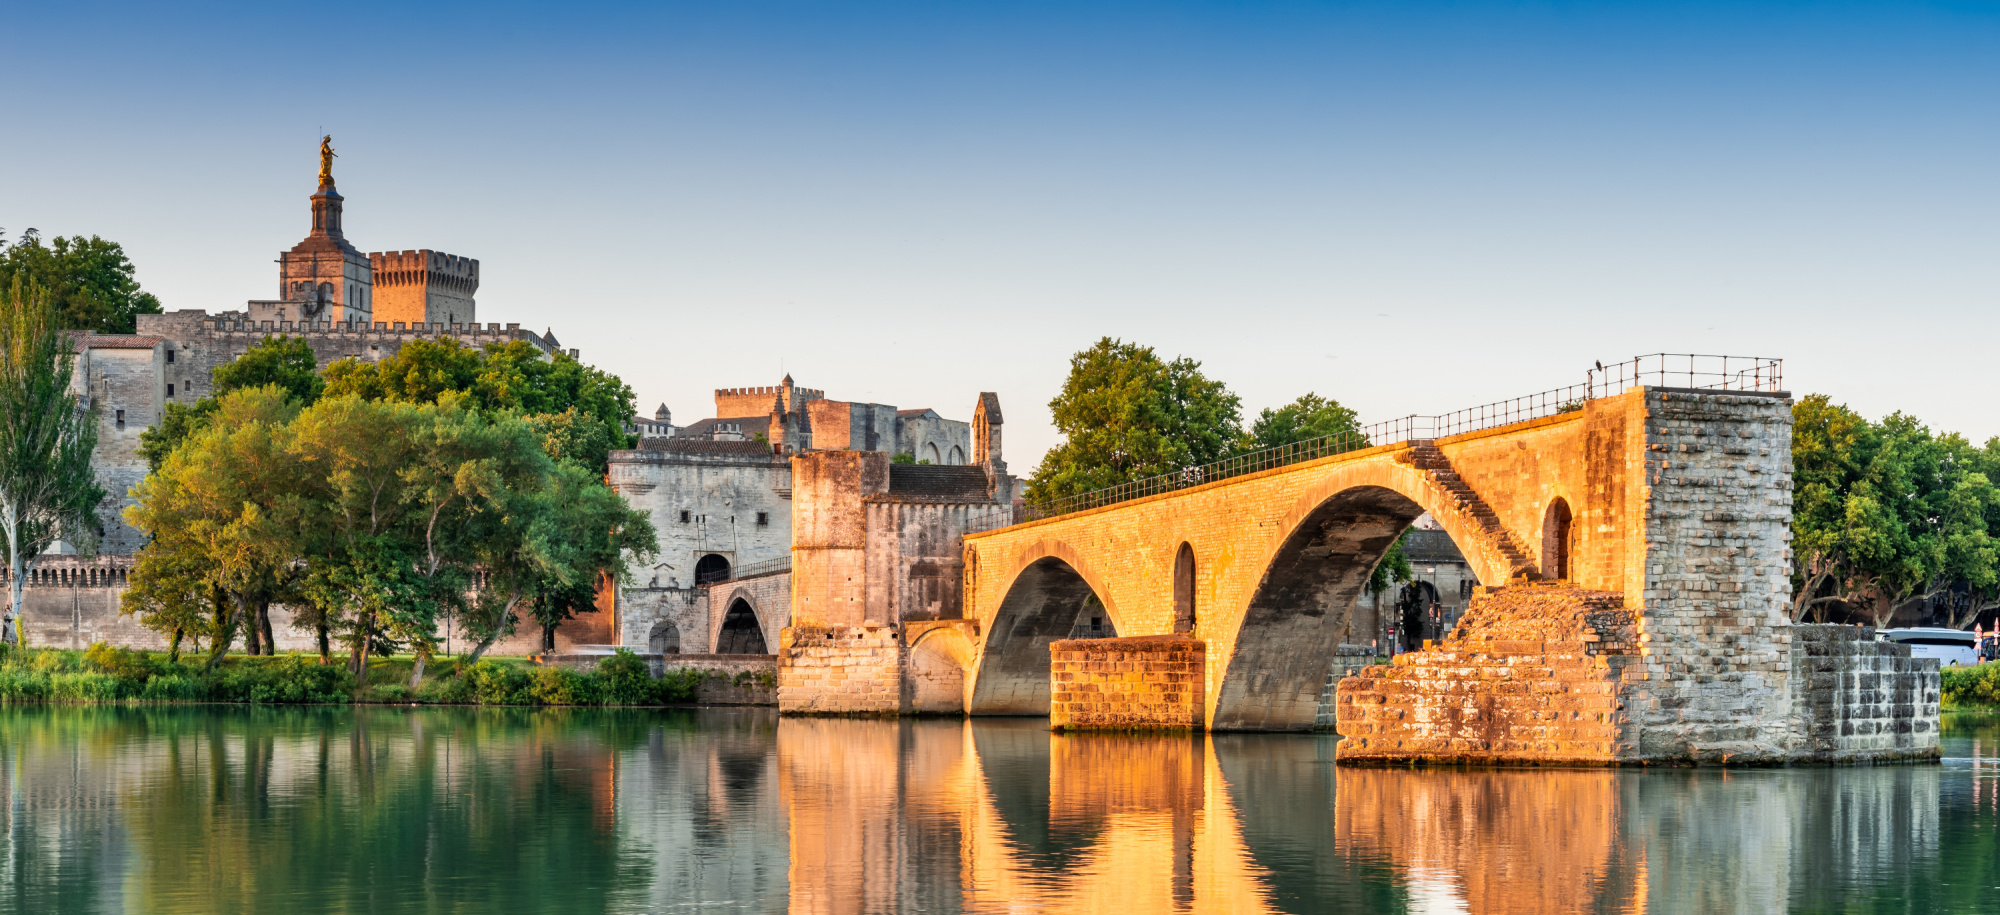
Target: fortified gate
{"points": [[1633, 533]]}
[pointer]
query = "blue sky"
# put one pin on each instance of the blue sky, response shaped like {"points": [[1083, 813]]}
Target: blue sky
{"points": [[1410, 207]]}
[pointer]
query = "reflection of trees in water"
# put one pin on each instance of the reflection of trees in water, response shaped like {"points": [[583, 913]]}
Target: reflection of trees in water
{"points": [[259, 810], [244, 809]]}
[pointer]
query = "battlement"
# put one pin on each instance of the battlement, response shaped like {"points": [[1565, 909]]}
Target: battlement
{"points": [[757, 401], [422, 266], [770, 391], [224, 327]]}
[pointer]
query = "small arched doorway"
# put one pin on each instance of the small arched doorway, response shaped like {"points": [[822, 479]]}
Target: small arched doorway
{"points": [[664, 639], [741, 633], [1184, 589], [1557, 541], [711, 568]]}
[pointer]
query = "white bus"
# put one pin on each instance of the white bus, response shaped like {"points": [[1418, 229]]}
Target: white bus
{"points": [[1951, 647]]}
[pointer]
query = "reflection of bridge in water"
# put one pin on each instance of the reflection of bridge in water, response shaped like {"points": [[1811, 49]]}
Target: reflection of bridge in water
{"points": [[954, 816], [196, 810]]}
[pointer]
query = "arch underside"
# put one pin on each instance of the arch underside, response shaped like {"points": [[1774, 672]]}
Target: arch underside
{"points": [[1302, 607], [1040, 607]]}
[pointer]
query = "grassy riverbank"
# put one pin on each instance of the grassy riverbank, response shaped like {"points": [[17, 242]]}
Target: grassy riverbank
{"points": [[1975, 688], [112, 675]]}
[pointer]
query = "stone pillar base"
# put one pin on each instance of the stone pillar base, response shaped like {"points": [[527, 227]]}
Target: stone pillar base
{"points": [[1532, 674], [840, 670], [1141, 683]]}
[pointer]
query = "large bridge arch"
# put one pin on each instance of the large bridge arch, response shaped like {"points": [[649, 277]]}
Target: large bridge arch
{"points": [[1049, 582], [1270, 651]]}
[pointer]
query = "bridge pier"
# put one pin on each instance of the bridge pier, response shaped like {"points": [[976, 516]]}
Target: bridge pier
{"points": [[1136, 683]]}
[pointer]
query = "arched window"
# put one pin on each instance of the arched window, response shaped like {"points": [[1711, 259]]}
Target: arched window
{"points": [[957, 455], [1557, 541], [740, 632], [710, 569], [931, 453], [1184, 589], [664, 639]]}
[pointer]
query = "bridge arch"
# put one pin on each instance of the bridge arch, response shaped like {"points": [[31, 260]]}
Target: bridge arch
{"points": [[1049, 584], [1268, 663]]}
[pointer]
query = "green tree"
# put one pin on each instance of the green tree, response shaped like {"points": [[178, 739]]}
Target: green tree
{"points": [[1126, 414], [48, 490], [557, 545], [222, 516], [283, 361], [514, 376], [1305, 419], [90, 281], [1886, 515]]}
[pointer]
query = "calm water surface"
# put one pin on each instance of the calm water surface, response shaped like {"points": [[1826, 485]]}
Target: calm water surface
{"points": [[161, 810]]}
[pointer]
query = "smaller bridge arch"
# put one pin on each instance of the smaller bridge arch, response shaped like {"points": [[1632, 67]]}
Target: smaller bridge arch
{"points": [[1048, 588]]}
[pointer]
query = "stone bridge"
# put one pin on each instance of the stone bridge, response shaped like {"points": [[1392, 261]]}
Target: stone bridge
{"points": [[1635, 555], [1639, 542]]}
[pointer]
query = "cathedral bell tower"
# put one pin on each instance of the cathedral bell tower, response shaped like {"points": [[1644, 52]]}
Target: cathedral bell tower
{"points": [[323, 279]]}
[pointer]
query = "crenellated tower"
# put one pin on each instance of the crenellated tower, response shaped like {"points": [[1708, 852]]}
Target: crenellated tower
{"points": [[424, 287]]}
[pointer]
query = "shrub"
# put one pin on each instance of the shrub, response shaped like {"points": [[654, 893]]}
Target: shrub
{"points": [[388, 692], [1972, 687], [451, 689], [83, 687], [173, 688], [494, 683], [626, 679], [682, 684], [286, 680], [123, 663], [559, 686], [50, 662], [23, 685]]}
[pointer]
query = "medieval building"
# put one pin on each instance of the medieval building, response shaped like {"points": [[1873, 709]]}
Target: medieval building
{"points": [[343, 303], [720, 495]]}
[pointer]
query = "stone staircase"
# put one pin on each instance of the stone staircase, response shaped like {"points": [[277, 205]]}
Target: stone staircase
{"points": [[1424, 455]]}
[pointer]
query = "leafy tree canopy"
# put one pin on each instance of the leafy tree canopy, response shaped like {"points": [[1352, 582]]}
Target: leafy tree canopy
{"points": [[501, 377], [90, 281], [1126, 414], [283, 362], [1886, 515], [1307, 418]]}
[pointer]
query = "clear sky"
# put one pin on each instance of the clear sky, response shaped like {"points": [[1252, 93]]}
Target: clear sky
{"points": [[1410, 207]]}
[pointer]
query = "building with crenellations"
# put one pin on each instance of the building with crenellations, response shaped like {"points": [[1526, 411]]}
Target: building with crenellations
{"points": [[719, 493], [345, 304]]}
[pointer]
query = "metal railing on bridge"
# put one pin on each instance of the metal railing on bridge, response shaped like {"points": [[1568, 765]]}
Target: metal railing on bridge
{"points": [[751, 570], [1693, 371]]}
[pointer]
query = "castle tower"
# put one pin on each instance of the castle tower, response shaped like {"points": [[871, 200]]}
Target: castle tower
{"points": [[325, 279], [424, 287]]}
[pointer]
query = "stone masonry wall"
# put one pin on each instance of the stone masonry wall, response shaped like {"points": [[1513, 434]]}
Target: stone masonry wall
{"points": [[1348, 661], [1714, 633], [1857, 699], [840, 670], [1531, 674], [1144, 682]]}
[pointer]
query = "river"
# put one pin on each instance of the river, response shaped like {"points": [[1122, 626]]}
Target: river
{"points": [[381, 810]]}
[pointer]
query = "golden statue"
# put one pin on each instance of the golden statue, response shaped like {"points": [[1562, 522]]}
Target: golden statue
{"points": [[326, 159]]}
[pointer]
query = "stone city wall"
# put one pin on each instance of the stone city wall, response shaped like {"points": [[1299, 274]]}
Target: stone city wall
{"points": [[729, 679], [123, 382], [1139, 682], [841, 670], [706, 502]]}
